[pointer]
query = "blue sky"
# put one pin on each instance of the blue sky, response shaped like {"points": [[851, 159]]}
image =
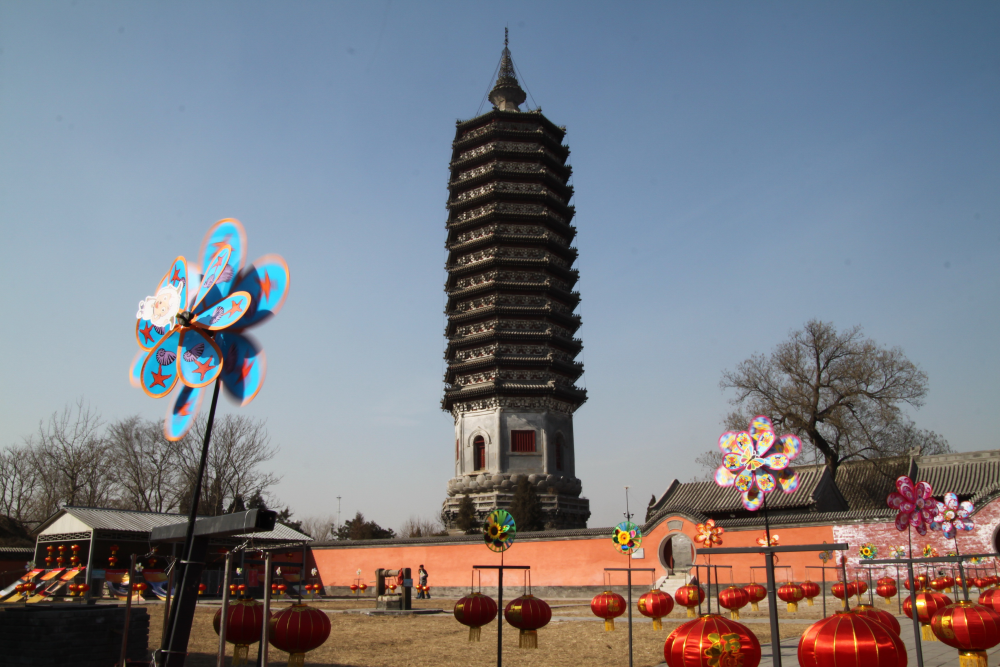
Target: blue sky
{"points": [[740, 168]]}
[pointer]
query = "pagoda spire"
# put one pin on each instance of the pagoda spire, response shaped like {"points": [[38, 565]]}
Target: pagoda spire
{"points": [[507, 93]]}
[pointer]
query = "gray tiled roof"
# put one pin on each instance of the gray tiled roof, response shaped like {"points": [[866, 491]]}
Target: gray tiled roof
{"points": [[17, 552], [967, 474]]}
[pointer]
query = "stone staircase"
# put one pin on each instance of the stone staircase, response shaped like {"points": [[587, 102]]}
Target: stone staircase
{"points": [[671, 583]]}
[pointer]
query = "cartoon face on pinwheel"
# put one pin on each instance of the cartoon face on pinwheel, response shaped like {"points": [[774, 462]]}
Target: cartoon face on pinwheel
{"points": [[953, 516], [499, 530], [626, 537], [193, 330], [915, 504], [868, 551], [708, 533], [756, 462]]}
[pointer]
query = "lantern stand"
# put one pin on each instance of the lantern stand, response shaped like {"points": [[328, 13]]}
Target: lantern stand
{"points": [[823, 569], [221, 659], [630, 570], [128, 609], [772, 597], [500, 568], [708, 573], [913, 589]]}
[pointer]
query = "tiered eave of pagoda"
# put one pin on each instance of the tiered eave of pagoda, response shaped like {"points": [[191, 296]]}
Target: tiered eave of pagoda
{"points": [[511, 302]]}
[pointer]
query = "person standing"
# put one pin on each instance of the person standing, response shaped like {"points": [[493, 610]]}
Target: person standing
{"points": [[422, 581]]}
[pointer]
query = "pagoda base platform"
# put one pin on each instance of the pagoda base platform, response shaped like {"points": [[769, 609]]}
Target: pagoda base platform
{"points": [[561, 511]]}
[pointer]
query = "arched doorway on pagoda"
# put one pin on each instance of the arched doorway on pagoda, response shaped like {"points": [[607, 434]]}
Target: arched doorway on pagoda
{"points": [[676, 553]]}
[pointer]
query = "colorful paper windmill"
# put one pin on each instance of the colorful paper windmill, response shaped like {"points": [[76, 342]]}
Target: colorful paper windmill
{"points": [[708, 533], [868, 551], [762, 541], [499, 530], [627, 537], [825, 555], [756, 462], [915, 504], [180, 328], [930, 552], [952, 515]]}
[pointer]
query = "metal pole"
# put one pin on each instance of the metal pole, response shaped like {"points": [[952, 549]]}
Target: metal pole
{"points": [[772, 603], [188, 550], [630, 611], [823, 570], [500, 614], [128, 610], [913, 611], [90, 564], [264, 639], [170, 586], [224, 620]]}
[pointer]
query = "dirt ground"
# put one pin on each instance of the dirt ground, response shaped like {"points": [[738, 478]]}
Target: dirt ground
{"points": [[358, 640]]}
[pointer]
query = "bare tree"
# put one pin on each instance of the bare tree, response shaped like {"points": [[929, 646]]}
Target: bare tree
{"points": [[17, 484], [417, 526], [71, 462], [239, 446], [320, 528], [840, 392], [145, 469]]}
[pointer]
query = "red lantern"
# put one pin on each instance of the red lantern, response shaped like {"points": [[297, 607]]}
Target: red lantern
{"points": [[883, 617], [712, 641], [734, 598], [689, 596], [202, 588], [886, 589], [922, 581], [980, 583], [30, 586], [939, 583], [364, 587], [354, 588], [810, 590], [756, 593], [850, 639], [242, 588], [244, 620], [527, 613], [20, 588], [791, 593], [62, 549], [83, 588], [72, 590], [282, 588], [928, 604], [297, 630], [609, 606], [840, 589], [475, 610], [860, 588], [971, 628], [655, 604], [991, 598]]}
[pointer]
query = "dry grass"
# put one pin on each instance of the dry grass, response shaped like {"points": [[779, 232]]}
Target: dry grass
{"points": [[357, 640]]}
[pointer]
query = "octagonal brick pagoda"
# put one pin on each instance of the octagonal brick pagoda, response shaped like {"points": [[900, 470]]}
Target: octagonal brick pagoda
{"points": [[512, 368]]}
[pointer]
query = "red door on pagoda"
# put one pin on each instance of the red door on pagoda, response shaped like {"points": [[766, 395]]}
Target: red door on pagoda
{"points": [[479, 452]]}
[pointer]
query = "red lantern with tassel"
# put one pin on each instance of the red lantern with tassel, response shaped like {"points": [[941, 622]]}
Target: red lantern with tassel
{"points": [[689, 596], [860, 588], [243, 622], [939, 583], [886, 589], [990, 598], [847, 638], [655, 604], [928, 604], [527, 613], [922, 581], [298, 629], [475, 610], [733, 598], [354, 588], [791, 593], [202, 588], [609, 606], [712, 641], [810, 590], [971, 628], [883, 617], [840, 589], [756, 593]]}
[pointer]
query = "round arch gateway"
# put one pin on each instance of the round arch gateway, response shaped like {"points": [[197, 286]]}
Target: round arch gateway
{"points": [[676, 552]]}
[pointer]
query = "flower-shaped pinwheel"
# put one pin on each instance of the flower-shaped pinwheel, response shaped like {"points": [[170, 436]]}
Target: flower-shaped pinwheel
{"points": [[953, 515], [930, 552], [180, 328], [915, 505], [755, 461], [825, 555], [899, 551], [762, 541], [627, 537], [709, 534], [499, 530], [868, 551]]}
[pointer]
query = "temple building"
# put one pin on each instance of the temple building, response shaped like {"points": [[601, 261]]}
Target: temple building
{"points": [[512, 369]]}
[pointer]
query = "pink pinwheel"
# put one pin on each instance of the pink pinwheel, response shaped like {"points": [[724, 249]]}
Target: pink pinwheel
{"points": [[915, 504], [952, 515], [755, 461]]}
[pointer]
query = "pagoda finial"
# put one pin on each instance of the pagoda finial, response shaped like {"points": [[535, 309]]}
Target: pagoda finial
{"points": [[507, 93]]}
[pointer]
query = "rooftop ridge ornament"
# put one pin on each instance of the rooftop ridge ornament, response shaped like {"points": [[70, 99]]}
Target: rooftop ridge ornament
{"points": [[507, 94]]}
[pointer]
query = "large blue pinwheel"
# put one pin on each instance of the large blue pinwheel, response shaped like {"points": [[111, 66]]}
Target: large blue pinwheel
{"points": [[193, 330]]}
